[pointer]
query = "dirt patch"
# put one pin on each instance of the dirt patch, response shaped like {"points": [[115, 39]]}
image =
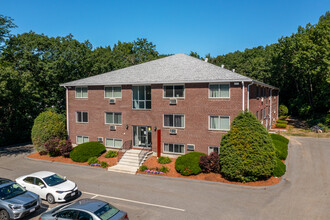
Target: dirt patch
{"points": [[153, 163], [110, 161]]}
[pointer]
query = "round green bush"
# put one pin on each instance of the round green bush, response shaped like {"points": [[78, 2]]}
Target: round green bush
{"points": [[281, 149], [104, 164], [111, 154], [164, 160], [164, 169], [143, 167], [280, 168], [48, 125], [247, 152], [188, 164], [92, 160], [283, 110], [280, 125], [84, 151]]}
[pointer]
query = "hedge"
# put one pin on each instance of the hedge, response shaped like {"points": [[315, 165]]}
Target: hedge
{"points": [[282, 121], [188, 164], [84, 151], [280, 168], [247, 152], [279, 137], [281, 146], [280, 125]]}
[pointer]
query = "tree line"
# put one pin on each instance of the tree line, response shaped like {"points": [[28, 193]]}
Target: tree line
{"points": [[33, 65]]}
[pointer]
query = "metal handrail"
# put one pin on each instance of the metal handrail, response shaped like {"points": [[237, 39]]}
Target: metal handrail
{"points": [[125, 147]]}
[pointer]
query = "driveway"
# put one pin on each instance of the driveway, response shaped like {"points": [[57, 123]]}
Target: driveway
{"points": [[304, 194]]}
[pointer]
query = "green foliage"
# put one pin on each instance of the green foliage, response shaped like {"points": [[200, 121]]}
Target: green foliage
{"points": [[279, 137], [6, 23], [282, 121], [281, 146], [280, 125], [111, 154], [164, 169], [247, 153], [327, 120], [283, 110], [188, 164], [92, 160], [104, 164], [164, 160], [48, 125], [84, 151], [143, 168], [280, 168]]}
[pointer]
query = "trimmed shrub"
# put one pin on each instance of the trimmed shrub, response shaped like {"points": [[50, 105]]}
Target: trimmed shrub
{"points": [[104, 164], [280, 168], [279, 137], [65, 147], [188, 164], [143, 168], [210, 163], [282, 121], [57, 147], [283, 110], [164, 169], [48, 125], [247, 152], [281, 149], [164, 160], [92, 160], [280, 125], [84, 151], [111, 154]]}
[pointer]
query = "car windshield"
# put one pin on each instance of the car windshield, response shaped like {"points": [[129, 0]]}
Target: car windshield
{"points": [[54, 180], [10, 191], [106, 212]]}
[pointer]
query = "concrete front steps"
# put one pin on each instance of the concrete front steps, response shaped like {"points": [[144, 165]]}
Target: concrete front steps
{"points": [[130, 161]]}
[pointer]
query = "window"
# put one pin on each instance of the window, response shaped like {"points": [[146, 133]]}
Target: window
{"points": [[84, 216], [257, 91], [218, 122], [257, 114], [261, 114], [112, 142], [141, 97], [174, 148], [82, 117], [112, 92], [214, 149], [81, 92], [175, 121], [173, 91], [39, 182], [67, 214], [113, 118], [82, 139], [219, 91], [29, 180]]}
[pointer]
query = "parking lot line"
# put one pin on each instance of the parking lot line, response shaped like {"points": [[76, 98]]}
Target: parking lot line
{"points": [[133, 201]]}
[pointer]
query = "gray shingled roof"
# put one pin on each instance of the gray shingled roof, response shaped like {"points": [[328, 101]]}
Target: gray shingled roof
{"points": [[179, 68]]}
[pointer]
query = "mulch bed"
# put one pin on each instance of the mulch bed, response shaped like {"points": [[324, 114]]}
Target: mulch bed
{"points": [[153, 163], [110, 161]]}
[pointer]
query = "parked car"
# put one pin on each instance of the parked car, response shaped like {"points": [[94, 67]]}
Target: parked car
{"points": [[49, 186], [15, 201], [85, 209]]}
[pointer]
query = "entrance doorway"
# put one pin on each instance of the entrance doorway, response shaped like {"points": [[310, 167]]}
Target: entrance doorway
{"points": [[142, 136]]}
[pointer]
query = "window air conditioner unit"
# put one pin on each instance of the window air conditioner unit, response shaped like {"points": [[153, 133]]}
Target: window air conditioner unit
{"points": [[262, 99], [173, 131], [173, 101], [190, 147], [99, 139], [112, 101], [112, 127]]}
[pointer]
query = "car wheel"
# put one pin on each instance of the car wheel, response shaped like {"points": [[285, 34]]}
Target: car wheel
{"points": [[4, 215], [50, 199]]}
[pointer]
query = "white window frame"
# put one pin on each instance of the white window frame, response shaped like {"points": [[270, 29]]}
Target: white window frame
{"points": [[209, 149], [118, 139], [212, 129], [105, 118], [173, 97], [82, 138], [145, 100], [184, 121], [80, 87], [184, 149], [219, 91], [112, 92], [82, 112]]}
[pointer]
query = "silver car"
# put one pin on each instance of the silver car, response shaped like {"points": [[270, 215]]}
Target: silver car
{"points": [[85, 209], [15, 201]]}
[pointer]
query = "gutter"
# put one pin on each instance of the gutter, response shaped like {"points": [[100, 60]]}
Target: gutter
{"points": [[248, 95]]}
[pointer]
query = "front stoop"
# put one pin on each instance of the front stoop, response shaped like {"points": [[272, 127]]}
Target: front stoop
{"points": [[130, 161]]}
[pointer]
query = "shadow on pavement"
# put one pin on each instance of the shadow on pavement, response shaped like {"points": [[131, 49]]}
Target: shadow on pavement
{"points": [[15, 150]]}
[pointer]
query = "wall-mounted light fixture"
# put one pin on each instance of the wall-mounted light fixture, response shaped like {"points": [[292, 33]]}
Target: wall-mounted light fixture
{"points": [[126, 127], [155, 128]]}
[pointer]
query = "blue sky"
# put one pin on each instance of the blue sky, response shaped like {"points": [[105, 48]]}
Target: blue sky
{"points": [[215, 27]]}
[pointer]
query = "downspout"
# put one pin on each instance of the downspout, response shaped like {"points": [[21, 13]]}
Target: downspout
{"points": [[248, 96], [243, 95], [270, 108], [67, 109], [278, 101]]}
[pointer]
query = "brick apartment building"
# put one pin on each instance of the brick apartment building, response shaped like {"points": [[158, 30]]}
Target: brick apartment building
{"points": [[191, 101]]}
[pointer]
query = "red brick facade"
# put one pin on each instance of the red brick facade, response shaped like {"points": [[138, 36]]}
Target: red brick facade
{"points": [[196, 107]]}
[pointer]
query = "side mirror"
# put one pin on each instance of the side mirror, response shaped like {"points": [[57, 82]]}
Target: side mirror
{"points": [[42, 186]]}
